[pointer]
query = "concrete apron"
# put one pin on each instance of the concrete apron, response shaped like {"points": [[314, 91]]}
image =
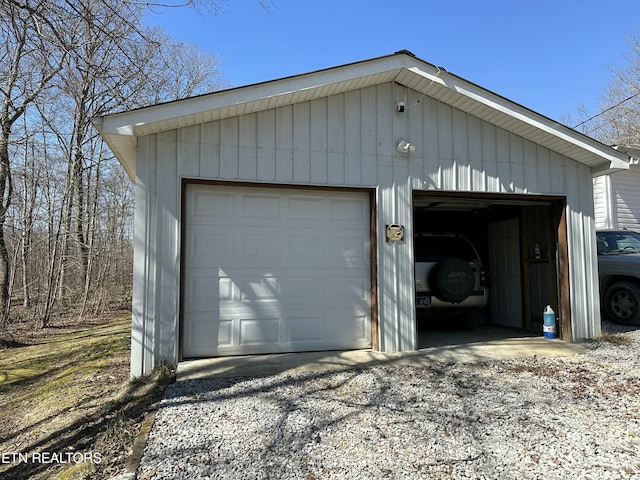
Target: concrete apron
{"points": [[481, 344]]}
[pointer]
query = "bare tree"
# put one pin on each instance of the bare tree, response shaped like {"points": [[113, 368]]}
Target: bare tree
{"points": [[66, 207], [184, 70], [33, 53], [617, 120], [57, 227]]}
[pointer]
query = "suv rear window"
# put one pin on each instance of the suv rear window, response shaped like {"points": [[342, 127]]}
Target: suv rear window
{"points": [[432, 248]]}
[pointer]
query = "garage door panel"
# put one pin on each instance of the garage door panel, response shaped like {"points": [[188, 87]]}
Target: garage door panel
{"points": [[350, 327], [258, 289], [343, 290], [306, 330], [261, 206], [205, 289], [285, 272], [304, 288], [205, 203], [240, 335], [266, 247], [339, 326], [305, 247], [201, 241], [308, 209], [348, 210], [202, 328], [353, 253], [262, 331], [225, 334]]}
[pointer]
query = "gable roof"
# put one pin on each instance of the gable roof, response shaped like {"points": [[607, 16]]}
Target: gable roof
{"points": [[121, 130]]}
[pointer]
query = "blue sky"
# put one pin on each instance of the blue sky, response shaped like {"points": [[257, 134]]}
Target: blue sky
{"points": [[551, 56]]}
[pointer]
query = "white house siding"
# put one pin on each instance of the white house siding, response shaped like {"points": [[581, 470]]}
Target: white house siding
{"points": [[627, 198], [347, 140], [602, 202], [617, 199]]}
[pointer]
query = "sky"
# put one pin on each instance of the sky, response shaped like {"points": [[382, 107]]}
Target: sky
{"points": [[551, 56]]}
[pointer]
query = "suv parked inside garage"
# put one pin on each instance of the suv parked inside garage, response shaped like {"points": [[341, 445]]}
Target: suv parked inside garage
{"points": [[619, 275], [450, 278]]}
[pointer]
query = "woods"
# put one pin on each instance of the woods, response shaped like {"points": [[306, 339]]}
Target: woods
{"points": [[616, 120], [66, 205]]}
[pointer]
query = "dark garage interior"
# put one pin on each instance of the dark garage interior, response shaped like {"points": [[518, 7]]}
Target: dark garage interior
{"points": [[530, 273]]}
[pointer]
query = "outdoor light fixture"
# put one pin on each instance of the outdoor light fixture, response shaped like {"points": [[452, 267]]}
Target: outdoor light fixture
{"points": [[405, 147]]}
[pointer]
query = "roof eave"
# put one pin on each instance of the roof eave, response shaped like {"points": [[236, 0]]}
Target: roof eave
{"points": [[521, 120], [122, 146], [121, 130]]}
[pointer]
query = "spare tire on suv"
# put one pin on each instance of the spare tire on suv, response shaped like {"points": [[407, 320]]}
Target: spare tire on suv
{"points": [[450, 277], [452, 280]]}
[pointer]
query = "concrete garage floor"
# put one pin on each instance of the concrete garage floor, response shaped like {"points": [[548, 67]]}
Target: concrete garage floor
{"points": [[482, 343]]}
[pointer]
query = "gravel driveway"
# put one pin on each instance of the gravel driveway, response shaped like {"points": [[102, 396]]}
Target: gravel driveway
{"points": [[558, 418]]}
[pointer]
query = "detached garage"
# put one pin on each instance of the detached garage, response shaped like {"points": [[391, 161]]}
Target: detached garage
{"points": [[280, 217]]}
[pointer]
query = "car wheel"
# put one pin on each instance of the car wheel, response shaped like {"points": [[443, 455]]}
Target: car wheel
{"points": [[622, 303], [452, 280]]}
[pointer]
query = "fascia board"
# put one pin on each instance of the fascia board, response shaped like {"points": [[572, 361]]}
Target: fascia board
{"points": [[125, 123], [522, 114]]}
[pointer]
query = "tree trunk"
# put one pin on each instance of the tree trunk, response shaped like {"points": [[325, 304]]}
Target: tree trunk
{"points": [[30, 186], [6, 191]]}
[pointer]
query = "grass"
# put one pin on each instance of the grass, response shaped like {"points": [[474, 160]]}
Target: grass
{"points": [[68, 396]]}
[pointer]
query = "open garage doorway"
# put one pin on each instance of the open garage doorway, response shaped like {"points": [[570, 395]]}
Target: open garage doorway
{"points": [[520, 266]]}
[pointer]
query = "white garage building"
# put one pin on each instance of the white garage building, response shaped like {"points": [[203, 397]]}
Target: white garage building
{"points": [[279, 217]]}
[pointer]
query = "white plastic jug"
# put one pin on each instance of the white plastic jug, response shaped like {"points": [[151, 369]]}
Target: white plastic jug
{"points": [[549, 323]]}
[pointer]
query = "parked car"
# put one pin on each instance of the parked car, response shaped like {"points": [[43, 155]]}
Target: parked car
{"points": [[450, 278], [619, 275]]}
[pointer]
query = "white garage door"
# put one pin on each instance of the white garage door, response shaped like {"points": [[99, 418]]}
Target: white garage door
{"points": [[271, 270]]}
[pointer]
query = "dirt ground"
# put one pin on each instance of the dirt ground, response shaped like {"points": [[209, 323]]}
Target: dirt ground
{"points": [[69, 410]]}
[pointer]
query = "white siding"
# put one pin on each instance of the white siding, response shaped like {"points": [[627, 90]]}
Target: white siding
{"points": [[617, 199], [347, 140], [156, 259], [583, 262], [626, 186], [602, 202]]}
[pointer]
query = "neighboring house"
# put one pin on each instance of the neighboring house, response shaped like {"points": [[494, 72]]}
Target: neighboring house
{"points": [[617, 195], [280, 217]]}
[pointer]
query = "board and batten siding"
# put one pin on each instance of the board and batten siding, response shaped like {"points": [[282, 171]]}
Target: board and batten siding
{"points": [[345, 140]]}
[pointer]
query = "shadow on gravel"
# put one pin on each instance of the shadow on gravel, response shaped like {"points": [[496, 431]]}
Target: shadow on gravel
{"points": [[343, 399], [294, 413]]}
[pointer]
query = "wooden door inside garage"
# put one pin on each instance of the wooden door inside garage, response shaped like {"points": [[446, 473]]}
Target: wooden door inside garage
{"points": [[269, 270]]}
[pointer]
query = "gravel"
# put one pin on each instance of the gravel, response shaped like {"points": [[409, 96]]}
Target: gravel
{"points": [[558, 418]]}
